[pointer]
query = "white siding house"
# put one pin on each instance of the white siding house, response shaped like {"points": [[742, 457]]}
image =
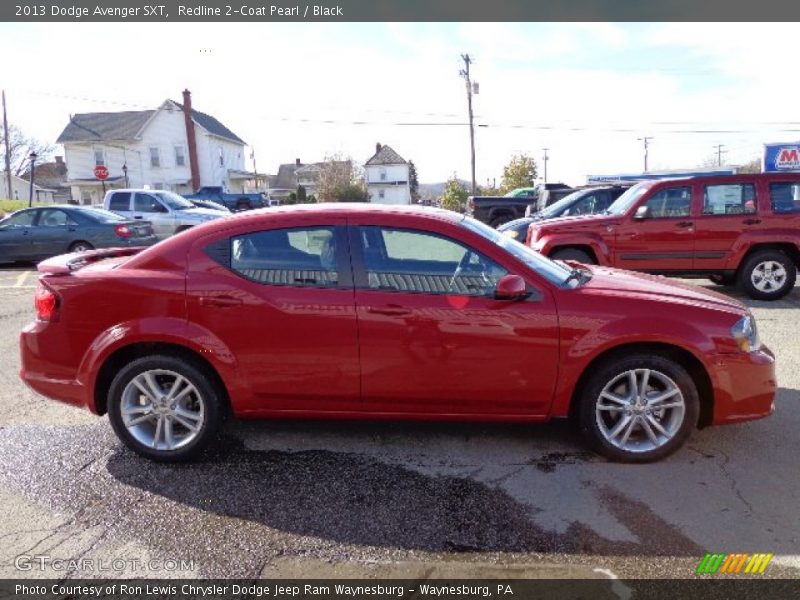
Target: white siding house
{"points": [[152, 148], [387, 177]]}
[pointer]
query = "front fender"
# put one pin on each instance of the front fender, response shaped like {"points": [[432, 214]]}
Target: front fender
{"points": [[162, 330], [549, 243]]}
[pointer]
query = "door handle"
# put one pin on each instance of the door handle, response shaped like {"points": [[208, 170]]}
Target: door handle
{"points": [[751, 221], [220, 301], [390, 311], [138, 217], [684, 224]]}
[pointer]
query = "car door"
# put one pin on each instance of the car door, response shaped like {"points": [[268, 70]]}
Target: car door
{"points": [[148, 207], [15, 239], [433, 338], [662, 239], [52, 232], [280, 299], [728, 210]]}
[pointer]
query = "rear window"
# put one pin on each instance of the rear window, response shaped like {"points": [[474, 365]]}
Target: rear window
{"points": [[785, 197], [120, 201], [731, 199], [101, 215]]}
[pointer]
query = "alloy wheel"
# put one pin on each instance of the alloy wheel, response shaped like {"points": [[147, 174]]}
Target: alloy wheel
{"points": [[768, 276]]}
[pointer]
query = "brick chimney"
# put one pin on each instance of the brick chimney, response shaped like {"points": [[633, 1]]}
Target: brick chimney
{"points": [[378, 147], [296, 162], [191, 140], [61, 167]]}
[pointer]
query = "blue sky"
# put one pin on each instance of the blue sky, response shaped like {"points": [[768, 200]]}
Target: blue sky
{"points": [[586, 91]]}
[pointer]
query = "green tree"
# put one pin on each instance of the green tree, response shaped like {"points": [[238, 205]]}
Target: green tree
{"points": [[301, 194], [413, 181], [519, 172], [455, 195]]}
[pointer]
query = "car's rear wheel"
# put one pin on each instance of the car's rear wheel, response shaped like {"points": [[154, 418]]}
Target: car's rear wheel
{"points": [[163, 407], [639, 409], [500, 219], [575, 254], [80, 246], [768, 275]]}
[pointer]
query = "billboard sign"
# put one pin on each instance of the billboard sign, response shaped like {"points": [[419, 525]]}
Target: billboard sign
{"points": [[781, 157]]}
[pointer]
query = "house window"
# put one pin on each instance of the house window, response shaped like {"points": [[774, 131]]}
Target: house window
{"points": [[381, 194], [383, 174], [180, 157], [99, 157], [155, 159], [221, 157]]}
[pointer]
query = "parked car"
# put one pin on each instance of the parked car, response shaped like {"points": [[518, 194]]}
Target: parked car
{"points": [[210, 204], [235, 201], [168, 212], [586, 201], [496, 210], [741, 229], [369, 311], [32, 234]]}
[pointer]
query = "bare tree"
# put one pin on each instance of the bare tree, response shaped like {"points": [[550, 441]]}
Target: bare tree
{"points": [[20, 147], [340, 180]]}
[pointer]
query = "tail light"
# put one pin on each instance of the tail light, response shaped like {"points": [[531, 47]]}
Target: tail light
{"points": [[123, 231], [46, 303]]}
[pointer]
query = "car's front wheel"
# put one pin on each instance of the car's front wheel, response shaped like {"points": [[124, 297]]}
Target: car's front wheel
{"points": [[575, 254], [639, 408], [163, 407], [768, 275]]}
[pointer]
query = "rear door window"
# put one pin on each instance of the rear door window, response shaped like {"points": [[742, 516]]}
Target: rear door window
{"points": [[120, 201], [785, 197], [730, 199]]}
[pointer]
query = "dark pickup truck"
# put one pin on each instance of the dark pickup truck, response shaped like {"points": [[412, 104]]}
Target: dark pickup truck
{"points": [[496, 210], [231, 201]]}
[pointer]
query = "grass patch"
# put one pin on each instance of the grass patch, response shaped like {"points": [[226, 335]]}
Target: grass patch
{"points": [[9, 206]]}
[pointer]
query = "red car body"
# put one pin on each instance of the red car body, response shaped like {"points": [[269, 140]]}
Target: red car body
{"points": [[356, 352]]}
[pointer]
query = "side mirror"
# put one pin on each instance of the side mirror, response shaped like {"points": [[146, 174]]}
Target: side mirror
{"points": [[510, 287], [643, 212]]}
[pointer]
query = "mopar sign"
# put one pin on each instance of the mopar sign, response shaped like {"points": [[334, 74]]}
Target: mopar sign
{"points": [[781, 157]]}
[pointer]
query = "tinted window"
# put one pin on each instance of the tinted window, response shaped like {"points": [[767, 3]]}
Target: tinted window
{"points": [[589, 204], [120, 201], [146, 203], [415, 261], [733, 199], [302, 257], [52, 217], [21, 219], [670, 202], [101, 215], [785, 197]]}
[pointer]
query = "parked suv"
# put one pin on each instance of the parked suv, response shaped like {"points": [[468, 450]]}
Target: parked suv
{"points": [[742, 229], [168, 212]]}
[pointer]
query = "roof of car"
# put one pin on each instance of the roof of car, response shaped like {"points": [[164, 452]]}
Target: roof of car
{"points": [[352, 208]]}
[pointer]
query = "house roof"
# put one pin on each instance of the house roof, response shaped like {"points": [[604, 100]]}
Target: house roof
{"points": [[212, 125], [95, 127], [126, 125], [386, 156]]}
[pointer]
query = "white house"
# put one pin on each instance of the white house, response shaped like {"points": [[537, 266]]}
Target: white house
{"points": [[21, 189], [387, 177], [173, 147]]}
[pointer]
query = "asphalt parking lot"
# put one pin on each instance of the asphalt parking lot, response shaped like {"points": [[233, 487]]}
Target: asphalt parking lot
{"points": [[381, 499]]}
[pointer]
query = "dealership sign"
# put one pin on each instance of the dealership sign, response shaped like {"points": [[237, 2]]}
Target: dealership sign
{"points": [[781, 157]]}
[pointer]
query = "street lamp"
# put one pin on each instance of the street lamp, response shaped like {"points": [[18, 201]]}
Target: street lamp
{"points": [[125, 172], [32, 156]]}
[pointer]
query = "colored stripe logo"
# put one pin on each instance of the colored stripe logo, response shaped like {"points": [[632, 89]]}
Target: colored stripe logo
{"points": [[732, 564]]}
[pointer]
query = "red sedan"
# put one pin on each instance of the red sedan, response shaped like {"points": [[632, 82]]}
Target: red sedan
{"points": [[362, 311]]}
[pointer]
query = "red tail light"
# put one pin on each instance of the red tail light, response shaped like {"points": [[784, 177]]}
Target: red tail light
{"points": [[122, 231], [46, 303]]}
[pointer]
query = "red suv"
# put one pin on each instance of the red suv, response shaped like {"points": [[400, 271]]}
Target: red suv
{"points": [[741, 229], [362, 311]]}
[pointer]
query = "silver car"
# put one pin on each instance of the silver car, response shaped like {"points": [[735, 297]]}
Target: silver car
{"points": [[168, 212]]}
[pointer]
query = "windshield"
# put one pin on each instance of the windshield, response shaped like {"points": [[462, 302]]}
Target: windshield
{"points": [[625, 201], [102, 215], [554, 272], [557, 207], [174, 201]]}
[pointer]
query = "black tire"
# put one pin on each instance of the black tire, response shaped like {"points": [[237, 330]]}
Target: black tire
{"points": [[210, 396], [726, 279], [243, 204], [575, 254], [183, 228], [589, 419], [770, 290], [500, 220], [80, 246]]}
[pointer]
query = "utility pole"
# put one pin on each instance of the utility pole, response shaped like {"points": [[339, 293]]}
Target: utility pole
{"points": [[465, 74], [720, 152], [646, 139], [8, 146], [544, 162]]}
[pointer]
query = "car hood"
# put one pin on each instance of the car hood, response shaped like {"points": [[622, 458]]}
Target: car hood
{"points": [[608, 281], [201, 213], [574, 223]]}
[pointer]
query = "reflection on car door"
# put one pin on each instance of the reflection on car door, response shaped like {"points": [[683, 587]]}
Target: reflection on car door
{"points": [[148, 207], [52, 232], [281, 300], [433, 338]]}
